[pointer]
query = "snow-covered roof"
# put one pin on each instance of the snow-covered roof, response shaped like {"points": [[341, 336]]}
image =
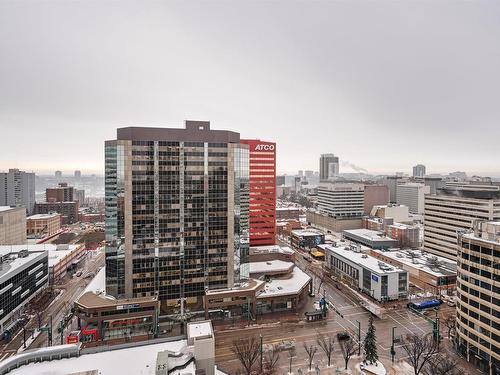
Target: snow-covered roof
{"points": [[137, 360], [200, 329], [353, 256], [418, 259], [270, 266], [284, 286], [56, 252], [13, 263], [271, 249], [98, 283]]}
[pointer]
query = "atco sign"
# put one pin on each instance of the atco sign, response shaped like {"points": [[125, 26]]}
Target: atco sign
{"points": [[264, 148]]}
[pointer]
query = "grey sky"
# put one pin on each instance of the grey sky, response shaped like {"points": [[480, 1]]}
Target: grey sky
{"points": [[383, 84]]}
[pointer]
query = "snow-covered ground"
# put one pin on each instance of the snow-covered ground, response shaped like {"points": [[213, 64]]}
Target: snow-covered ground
{"points": [[139, 360]]}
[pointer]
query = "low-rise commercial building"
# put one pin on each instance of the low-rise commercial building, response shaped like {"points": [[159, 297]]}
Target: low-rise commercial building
{"points": [[12, 225], [372, 239], [428, 272], [306, 238], [105, 320], [22, 275], [478, 291], [287, 213], [43, 225], [272, 252], [68, 210], [363, 272], [332, 224]]}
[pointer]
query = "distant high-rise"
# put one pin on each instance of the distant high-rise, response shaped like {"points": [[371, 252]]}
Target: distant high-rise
{"points": [[61, 193], [58, 174], [419, 170], [78, 174], [412, 195], [177, 212], [17, 188], [328, 167]]}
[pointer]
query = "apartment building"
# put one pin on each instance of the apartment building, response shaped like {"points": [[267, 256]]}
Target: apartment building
{"points": [[177, 213], [455, 209], [17, 188], [478, 291]]}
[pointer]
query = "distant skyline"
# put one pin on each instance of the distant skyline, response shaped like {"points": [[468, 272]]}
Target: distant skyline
{"points": [[384, 85]]}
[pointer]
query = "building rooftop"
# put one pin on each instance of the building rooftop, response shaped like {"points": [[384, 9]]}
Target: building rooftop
{"points": [[200, 329], [354, 255], [136, 360], [43, 216], [56, 252], [370, 235], [272, 266], [430, 263], [283, 286], [306, 232], [270, 249], [12, 261], [7, 208]]}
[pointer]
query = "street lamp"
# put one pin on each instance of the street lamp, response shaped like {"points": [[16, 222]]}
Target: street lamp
{"points": [[393, 350], [359, 337]]}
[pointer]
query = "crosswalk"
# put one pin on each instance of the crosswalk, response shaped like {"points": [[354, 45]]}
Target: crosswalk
{"points": [[5, 355]]}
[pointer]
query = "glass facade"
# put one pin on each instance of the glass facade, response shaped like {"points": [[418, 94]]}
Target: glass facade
{"points": [[115, 212], [175, 238]]}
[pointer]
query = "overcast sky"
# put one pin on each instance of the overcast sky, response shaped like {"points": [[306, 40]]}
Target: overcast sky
{"points": [[382, 84]]}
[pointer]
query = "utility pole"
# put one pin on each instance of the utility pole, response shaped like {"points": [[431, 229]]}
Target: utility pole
{"points": [[359, 337], [261, 350], [393, 350], [50, 332]]}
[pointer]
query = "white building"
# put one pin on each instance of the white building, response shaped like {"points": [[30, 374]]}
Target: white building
{"points": [[374, 277], [17, 188], [419, 170], [413, 196], [399, 213], [341, 200], [454, 210]]}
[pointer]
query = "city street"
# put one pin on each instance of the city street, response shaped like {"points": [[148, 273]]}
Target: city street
{"points": [[70, 290], [351, 312]]}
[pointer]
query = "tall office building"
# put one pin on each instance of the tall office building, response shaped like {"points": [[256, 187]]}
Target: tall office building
{"points": [[455, 209], [17, 188], [419, 170], [412, 195], [262, 192], [478, 292], [341, 200], [177, 207], [392, 183], [58, 174], [328, 167], [78, 174]]}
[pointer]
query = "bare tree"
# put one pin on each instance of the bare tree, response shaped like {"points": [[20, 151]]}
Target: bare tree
{"points": [[420, 351], [348, 347], [326, 344], [270, 361], [450, 321], [442, 364], [247, 351], [311, 352]]}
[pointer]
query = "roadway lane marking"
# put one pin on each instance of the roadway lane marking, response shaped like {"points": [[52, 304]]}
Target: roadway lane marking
{"points": [[4, 356]]}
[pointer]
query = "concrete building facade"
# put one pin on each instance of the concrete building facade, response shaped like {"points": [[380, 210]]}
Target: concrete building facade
{"points": [[452, 211], [340, 200], [413, 196], [12, 225], [478, 292], [419, 170]]}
